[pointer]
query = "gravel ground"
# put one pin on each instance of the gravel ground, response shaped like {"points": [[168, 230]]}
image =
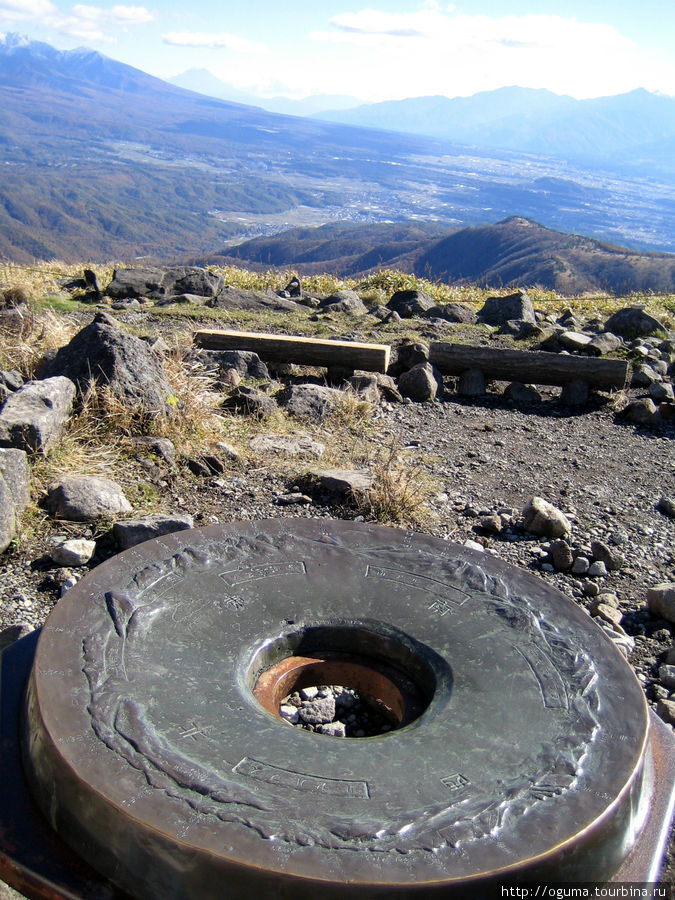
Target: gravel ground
{"points": [[481, 457]]}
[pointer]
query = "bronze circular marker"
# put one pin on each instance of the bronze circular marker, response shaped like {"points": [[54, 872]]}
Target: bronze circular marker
{"points": [[154, 746]]}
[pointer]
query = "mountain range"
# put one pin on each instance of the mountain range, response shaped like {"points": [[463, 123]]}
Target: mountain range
{"points": [[513, 252], [204, 82], [102, 161], [631, 130]]}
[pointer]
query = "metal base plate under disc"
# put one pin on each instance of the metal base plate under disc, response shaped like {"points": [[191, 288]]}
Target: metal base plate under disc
{"points": [[150, 755]]}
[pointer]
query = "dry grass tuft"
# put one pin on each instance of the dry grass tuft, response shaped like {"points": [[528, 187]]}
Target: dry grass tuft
{"points": [[401, 490], [23, 347]]}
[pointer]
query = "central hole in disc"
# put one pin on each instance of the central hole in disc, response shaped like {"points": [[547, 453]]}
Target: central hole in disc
{"points": [[343, 681], [338, 711]]}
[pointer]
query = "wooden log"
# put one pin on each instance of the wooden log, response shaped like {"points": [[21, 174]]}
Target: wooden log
{"points": [[530, 366], [302, 350]]}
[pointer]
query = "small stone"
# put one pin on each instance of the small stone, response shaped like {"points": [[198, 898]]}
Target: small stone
{"points": [[472, 383], [309, 693], [293, 499], [319, 711], [591, 589], [542, 518], [612, 560], [610, 599], [666, 505], [334, 729], [135, 531], [580, 566], [608, 613], [561, 555], [85, 498], [345, 481], [665, 709], [491, 524], [67, 585], [421, 383], [228, 451], [661, 600], [661, 392], [597, 569], [290, 713], [667, 676], [76, 552], [474, 545]]}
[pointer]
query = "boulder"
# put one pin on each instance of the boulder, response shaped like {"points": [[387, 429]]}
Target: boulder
{"points": [[522, 394], [239, 298], [410, 303], [141, 282], [163, 447], [250, 401], [472, 383], [633, 322], [75, 552], [106, 354], [85, 498], [543, 519], [344, 481], [641, 412], [406, 355], [34, 417], [191, 280], [498, 310], [16, 473], [287, 445], [245, 362], [452, 312], [661, 600], [366, 386], [604, 343], [346, 302], [421, 383], [312, 402], [136, 531], [7, 516]]}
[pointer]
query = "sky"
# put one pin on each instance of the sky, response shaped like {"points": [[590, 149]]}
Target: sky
{"points": [[388, 50]]}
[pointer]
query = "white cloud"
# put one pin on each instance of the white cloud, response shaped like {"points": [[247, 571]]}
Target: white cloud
{"points": [[84, 22], [26, 9], [223, 41], [443, 51]]}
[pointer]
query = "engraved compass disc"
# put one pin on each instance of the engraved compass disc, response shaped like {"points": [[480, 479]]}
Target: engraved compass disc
{"points": [[524, 755]]}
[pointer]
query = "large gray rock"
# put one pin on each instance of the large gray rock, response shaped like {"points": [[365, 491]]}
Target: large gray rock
{"points": [[311, 402], [406, 355], [421, 383], [498, 310], [410, 303], [543, 519], [191, 280], [604, 343], [75, 552], [641, 412], [14, 492], [16, 473], [136, 531], [34, 417], [287, 445], [245, 362], [250, 401], [344, 481], [346, 302], [141, 282], [85, 498], [452, 312], [239, 298], [7, 516], [106, 354], [632, 322], [661, 600]]}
